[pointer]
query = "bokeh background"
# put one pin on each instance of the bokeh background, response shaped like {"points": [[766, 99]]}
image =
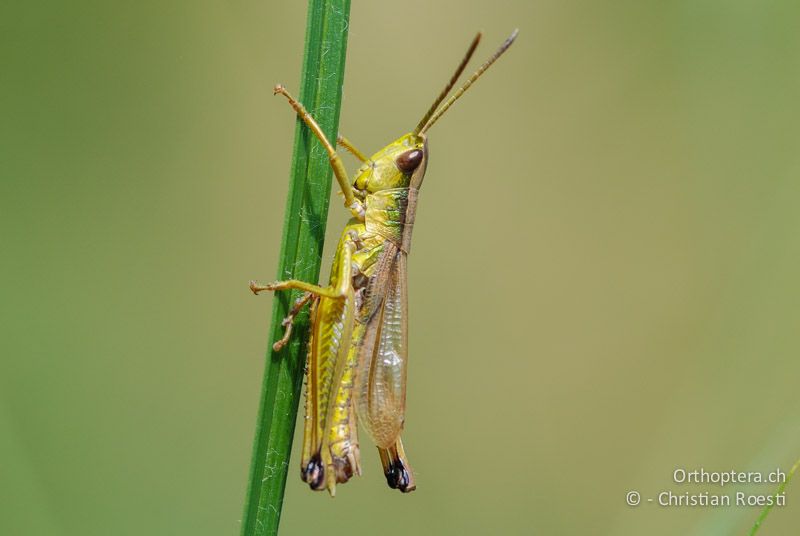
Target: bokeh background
{"points": [[604, 282]]}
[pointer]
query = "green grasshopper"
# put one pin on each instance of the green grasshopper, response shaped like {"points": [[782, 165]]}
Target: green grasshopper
{"points": [[358, 349]]}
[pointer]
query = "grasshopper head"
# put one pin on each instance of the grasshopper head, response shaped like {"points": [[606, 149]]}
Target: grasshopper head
{"points": [[401, 164]]}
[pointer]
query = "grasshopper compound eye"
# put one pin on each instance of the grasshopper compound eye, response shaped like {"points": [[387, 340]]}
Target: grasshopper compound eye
{"points": [[409, 160]]}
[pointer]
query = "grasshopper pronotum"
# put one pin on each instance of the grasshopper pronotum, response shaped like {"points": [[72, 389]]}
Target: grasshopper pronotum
{"points": [[358, 349]]}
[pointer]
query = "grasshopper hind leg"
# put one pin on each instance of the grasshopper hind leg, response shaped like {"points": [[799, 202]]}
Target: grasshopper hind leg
{"points": [[313, 473], [396, 468], [346, 453]]}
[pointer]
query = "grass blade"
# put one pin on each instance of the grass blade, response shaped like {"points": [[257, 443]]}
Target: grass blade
{"points": [[301, 248], [780, 490]]}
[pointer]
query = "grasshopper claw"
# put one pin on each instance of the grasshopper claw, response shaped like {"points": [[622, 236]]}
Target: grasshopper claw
{"points": [[256, 288]]}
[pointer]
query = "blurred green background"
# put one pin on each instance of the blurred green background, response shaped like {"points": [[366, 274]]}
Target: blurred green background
{"points": [[604, 282]]}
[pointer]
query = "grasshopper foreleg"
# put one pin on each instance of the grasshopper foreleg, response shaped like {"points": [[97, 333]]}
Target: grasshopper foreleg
{"points": [[350, 201]]}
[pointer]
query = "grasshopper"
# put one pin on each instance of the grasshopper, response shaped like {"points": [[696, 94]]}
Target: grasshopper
{"points": [[358, 347]]}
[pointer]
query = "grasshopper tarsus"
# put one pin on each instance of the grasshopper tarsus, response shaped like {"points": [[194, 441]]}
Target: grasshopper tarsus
{"points": [[287, 324], [256, 288], [277, 285], [283, 341]]}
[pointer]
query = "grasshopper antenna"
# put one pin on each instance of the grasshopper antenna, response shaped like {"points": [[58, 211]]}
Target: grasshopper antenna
{"points": [[431, 118], [450, 84]]}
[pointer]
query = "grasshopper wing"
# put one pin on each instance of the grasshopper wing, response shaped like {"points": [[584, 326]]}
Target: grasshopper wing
{"points": [[383, 353]]}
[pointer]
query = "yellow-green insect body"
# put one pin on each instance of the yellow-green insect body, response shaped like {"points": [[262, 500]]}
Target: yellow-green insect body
{"points": [[374, 247], [358, 348]]}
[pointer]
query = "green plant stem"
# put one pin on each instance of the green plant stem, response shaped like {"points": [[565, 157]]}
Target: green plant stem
{"points": [[780, 490], [303, 238]]}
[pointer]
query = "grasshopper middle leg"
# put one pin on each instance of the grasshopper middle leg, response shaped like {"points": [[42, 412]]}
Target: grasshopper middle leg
{"points": [[310, 290], [344, 142]]}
